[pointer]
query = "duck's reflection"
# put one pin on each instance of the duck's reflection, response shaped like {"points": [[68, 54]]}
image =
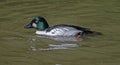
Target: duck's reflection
{"points": [[62, 39], [61, 45], [55, 47]]}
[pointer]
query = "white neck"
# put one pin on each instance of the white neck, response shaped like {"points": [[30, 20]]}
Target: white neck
{"points": [[41, 32]]}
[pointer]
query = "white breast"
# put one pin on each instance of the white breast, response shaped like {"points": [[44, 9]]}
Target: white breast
{"points": [[41, 32]]}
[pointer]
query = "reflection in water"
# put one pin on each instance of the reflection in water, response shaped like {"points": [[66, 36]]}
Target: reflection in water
{"points": [[63, 45], [61, 38], [56, 47], [58, 64]]}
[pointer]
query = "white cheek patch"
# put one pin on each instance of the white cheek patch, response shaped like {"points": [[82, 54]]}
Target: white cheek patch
{"points": [[34, 25]]}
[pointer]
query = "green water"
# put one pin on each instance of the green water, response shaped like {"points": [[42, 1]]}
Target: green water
{"points": [[98, 15]]}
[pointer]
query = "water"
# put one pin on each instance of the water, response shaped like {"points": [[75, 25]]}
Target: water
{"points": [[58, 64], [55, 47], [62, 39], [62, 44], [98, 15]]}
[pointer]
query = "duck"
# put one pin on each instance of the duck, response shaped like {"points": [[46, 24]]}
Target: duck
{"points": [[61, 30]]}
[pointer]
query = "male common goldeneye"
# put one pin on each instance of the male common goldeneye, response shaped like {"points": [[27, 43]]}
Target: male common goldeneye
{"points": [[62, 30]]}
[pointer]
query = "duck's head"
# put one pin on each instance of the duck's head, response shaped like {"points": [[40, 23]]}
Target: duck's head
{"points": [[38, 22]]}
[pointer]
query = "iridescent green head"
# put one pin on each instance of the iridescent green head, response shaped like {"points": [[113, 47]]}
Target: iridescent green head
{"points": [[38, 22]]}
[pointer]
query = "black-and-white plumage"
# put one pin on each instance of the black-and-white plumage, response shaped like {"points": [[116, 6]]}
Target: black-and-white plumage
{"points": [[58, 30]]}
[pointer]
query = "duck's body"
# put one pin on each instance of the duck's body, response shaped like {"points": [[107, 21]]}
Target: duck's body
{"points": [[58, 30]]}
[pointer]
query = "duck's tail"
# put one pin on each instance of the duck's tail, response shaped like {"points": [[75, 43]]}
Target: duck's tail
{"points": [[89, 32], [86, 30]]}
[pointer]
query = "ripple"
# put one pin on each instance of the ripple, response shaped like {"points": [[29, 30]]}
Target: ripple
{"points": [[55, 47]]}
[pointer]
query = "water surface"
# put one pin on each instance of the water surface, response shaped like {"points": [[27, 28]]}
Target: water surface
{"points": [[98, 15]]}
